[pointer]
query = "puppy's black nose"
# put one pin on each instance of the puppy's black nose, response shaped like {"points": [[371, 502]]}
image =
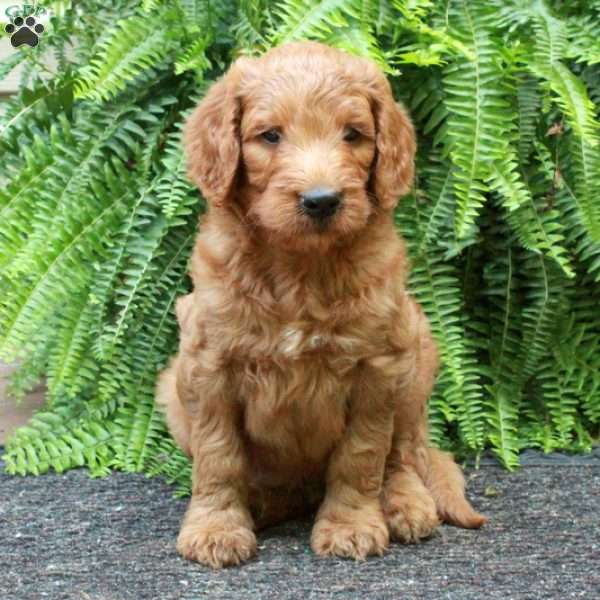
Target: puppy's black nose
{"points": [[320, 202]]}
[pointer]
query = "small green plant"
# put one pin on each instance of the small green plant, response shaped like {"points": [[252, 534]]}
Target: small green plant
{"points": [[97, 219]]}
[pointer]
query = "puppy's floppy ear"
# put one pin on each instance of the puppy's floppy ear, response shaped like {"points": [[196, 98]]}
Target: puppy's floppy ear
{"points": [[211, 140], [395, 142]]}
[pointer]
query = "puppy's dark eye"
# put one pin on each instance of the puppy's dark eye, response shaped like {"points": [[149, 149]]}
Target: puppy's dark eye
{"points": [[271, 136], [351, 134]]}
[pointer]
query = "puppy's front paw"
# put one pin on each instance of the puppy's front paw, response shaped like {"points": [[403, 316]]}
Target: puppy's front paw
{"points": [[410, 518], [217, 546], [357, 537]]}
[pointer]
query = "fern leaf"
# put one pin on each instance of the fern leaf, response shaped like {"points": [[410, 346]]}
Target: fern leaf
{"points": [[529, 100], [339, 22], [59, 271], [427, 106], [11, 62], [503, 309], [70, 364], [304, 18], [584, 38], [136, 45], [502, 415], [194, 57], [435, 285], [478, 118], [20, 196], [77, 158], [254, 21], [140, 422], [568, 202], [173, 188], [170, 462], [505, 180], [542, 313], [60, 439], [34, 111]]}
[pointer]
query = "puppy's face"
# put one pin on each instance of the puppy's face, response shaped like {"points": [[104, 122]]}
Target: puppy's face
{"points": [[307, 140], [307, 148]]}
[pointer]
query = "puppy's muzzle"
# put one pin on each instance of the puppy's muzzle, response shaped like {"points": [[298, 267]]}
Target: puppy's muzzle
{"points": [[320, 202]]}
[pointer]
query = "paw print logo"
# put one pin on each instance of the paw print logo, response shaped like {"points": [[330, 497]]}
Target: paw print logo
{"points": [[24, 31]]}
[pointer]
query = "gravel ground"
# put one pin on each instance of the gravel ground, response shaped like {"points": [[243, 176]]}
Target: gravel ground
{"points": [[68, 536]]}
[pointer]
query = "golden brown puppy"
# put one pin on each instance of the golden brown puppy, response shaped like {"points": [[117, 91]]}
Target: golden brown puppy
{"points": [[304, 366]]}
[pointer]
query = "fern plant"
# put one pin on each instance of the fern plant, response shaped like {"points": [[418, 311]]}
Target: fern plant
{"points": [[97, 218]]}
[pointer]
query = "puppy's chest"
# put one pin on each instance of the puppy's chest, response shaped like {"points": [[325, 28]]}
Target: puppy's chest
{"points": [[295, 383], [299, 346]]}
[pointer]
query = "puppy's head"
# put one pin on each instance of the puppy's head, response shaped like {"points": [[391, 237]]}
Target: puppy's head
{"points": [[307, 140]]}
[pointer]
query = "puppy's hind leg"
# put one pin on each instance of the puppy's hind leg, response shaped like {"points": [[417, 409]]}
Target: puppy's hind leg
{"points": [[168, 401], [409, 507], [423, 485]]}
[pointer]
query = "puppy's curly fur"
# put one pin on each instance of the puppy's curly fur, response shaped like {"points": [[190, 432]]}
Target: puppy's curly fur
{"points": [[304, 366]]}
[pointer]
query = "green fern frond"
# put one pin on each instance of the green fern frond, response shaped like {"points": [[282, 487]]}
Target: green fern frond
{"points": [[540, 433], [77, 157], [306, 18], [151, 5], [543, 292], [30, 371], [505, 180], [337, 21], [502, 416], [568, 202], [500, 304], [436, 286], [577, 352], [254, 22], [536, 223], [135, 46], [440, 413], [145, 244], [140, 422], [573, 100], [361, 41], [433, 42], [479, 118], [173, 189], [170, 462], [20, 195], [427, 106], [560, 395], [33, 112], [194, 57], [60, 439], [439, 223], [138, 271], [586, 175], [584, 38], [11, 62], [541, 232], [59, 271], [551, 39], [503, 296], [572, 97], [70, 364], [529, 103]]}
